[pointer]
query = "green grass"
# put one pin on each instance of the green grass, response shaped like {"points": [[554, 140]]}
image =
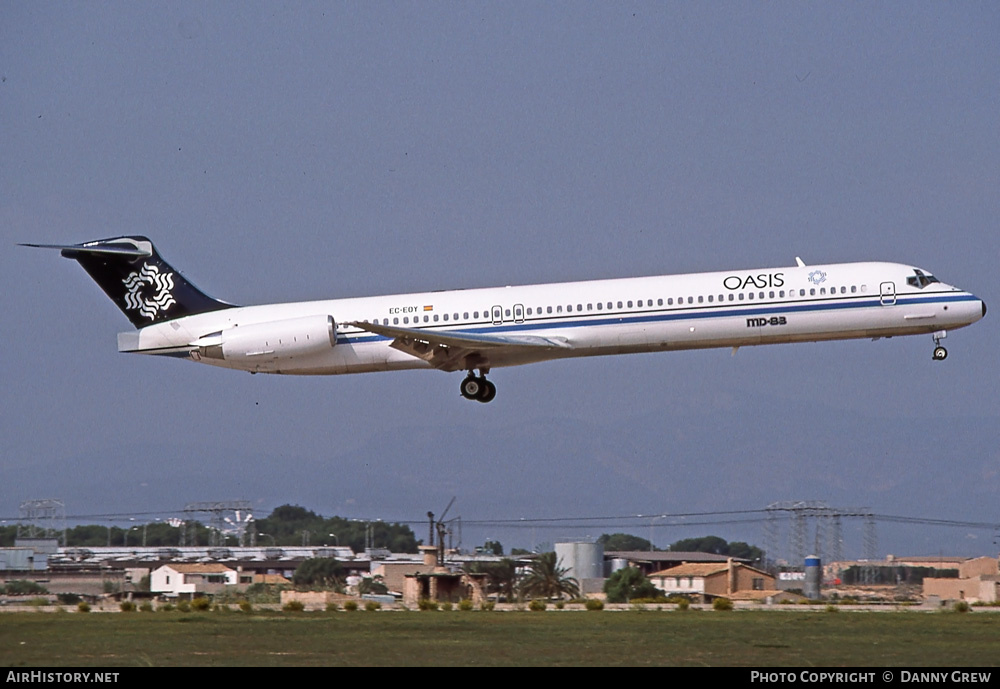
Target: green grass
{"points": [[756, 639]]}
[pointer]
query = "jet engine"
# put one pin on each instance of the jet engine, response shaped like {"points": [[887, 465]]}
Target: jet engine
{"points": [[272, 341]]}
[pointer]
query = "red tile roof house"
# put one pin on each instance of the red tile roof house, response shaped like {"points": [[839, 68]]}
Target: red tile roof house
{"points": [[702, 582]]}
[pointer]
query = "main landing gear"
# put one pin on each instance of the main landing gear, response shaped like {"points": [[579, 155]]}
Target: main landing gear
{"points": [[940, 353], [478, 388]]}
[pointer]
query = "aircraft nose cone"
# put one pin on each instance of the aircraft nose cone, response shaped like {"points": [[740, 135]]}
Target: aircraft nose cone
{"points": [[984, 308]]}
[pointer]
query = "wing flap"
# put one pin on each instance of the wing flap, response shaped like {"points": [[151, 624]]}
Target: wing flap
{"points": [[468, 340], [451, 351]]}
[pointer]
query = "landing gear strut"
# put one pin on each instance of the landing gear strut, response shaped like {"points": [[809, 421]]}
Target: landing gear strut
{"points": [[940, 353], [478, 388]]}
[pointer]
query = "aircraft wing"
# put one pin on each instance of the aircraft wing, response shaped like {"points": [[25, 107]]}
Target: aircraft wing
{"points": [[451, 351]]}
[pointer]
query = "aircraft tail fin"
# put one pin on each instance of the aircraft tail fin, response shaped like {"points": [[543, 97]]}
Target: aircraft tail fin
{"points": [[144, 286]]}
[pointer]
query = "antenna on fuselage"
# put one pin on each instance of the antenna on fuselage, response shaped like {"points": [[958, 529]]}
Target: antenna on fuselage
{"points": [[799, 263]]}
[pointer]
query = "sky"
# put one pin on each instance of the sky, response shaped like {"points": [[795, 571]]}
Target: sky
{"points": [[292, 151]]}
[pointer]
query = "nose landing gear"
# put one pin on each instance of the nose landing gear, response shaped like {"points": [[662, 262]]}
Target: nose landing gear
{"points": [[478, 388], [940, 353]]}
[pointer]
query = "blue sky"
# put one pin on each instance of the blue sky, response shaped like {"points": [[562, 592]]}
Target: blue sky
{"points": [[283, 152]]}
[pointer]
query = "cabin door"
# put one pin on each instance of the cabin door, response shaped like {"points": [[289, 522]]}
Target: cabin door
{"points": [[887, 292]]}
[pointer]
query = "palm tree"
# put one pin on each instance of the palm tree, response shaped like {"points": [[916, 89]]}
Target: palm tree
{"points": [[548, 580]]}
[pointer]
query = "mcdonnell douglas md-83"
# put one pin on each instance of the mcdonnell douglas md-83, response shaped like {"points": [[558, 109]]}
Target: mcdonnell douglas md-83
{"points": [[477, 330]]}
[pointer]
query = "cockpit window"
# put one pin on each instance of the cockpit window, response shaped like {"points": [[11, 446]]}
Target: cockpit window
{"points": [[920, 280]]}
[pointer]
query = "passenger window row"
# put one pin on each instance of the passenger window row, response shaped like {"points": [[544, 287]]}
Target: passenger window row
{"points": [[626, 304]]}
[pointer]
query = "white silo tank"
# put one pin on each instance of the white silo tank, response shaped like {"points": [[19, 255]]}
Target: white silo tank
{"points": [[583, 560]]}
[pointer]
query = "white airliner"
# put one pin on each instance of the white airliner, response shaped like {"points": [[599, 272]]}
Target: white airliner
{"points": [[481, 329]]}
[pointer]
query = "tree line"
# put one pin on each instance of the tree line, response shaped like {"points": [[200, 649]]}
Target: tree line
{"points": [[704, 544], [287, 525]]}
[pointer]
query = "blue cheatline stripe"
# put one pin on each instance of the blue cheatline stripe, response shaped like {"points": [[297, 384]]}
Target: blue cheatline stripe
{"points": [[683, 315]]}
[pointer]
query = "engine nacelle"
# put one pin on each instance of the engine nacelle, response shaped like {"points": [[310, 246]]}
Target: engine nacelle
{"points": [[273, 341]]}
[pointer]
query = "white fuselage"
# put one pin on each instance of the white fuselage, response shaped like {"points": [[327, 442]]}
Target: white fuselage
{"points": [[673, 312]]}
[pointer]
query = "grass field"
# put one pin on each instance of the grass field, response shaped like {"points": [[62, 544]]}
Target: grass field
{"points": [[744, 638]]}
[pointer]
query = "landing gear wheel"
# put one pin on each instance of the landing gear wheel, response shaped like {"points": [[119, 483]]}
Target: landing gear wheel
{"points": [[940, 354], [478, 388], [488, 392], [472, 388]]}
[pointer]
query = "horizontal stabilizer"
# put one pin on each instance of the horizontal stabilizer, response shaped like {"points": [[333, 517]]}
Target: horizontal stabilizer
{"points": [[71, 250]]}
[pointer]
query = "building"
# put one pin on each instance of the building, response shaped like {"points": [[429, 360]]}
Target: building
{"points": [[190, 579], [23, 559], [393, 573], [978, 582], [702, 582], [436, 583]]}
